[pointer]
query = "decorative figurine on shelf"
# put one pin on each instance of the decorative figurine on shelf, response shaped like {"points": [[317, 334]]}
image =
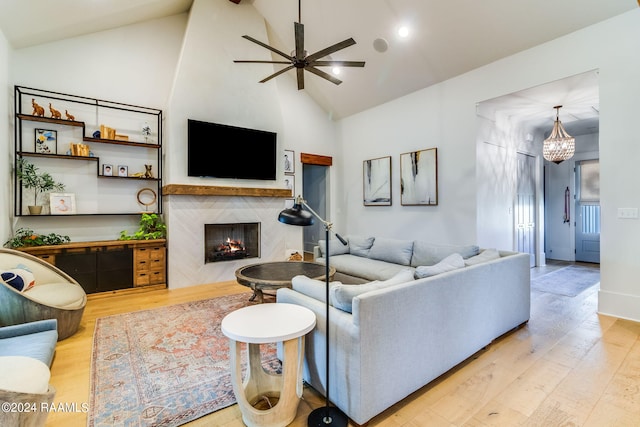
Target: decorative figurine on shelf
{"points": [[37, 109], [96, 134], [147, 172], [69, 116], [55, 114], [146, 131]]}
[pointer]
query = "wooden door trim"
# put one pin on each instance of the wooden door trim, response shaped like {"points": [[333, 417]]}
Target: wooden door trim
{"points": [[316, 159]]}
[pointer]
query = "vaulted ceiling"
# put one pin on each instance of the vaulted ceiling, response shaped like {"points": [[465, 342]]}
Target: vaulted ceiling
{"points": [[446, 38]]}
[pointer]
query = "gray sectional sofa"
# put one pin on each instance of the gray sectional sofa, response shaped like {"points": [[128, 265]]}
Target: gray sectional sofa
{"points": [[397, 333]]}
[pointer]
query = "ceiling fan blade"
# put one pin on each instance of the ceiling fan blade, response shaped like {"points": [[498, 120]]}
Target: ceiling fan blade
{"points": [[324, 75], [261, 62], [329, 50], [300, 75], [276, 74], [299, 34], [266, 46], [337, 63]]}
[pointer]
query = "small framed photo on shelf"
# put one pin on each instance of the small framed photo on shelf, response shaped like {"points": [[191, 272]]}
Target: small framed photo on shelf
{"points": [[289, 161], [107, 170], [46, 141], [123, 170], [290, 183], [62, 203]]}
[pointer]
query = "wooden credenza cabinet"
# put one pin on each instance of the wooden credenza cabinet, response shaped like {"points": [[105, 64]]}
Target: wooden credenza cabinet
{"points": [[109, 265]]}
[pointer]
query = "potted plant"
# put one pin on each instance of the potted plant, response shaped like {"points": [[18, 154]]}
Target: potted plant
{"points": [[151, 227], [28, 174], [27, 237]]}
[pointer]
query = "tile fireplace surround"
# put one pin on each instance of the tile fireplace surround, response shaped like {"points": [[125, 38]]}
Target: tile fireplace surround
{"points": [[187, 208]]}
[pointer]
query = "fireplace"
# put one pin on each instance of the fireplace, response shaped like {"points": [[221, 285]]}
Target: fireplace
{"points": [[230, 242]]}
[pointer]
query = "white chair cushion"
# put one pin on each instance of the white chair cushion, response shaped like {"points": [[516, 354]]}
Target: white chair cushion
{"points": [[61, 295], [24, 375]]}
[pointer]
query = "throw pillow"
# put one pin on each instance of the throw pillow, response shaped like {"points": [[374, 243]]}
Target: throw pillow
{"points": [[360, 245], [425, 253], [484, 256], [341, 296], [392, 250], [311, 287], [335, 247], [21, 279], [450, 263]]}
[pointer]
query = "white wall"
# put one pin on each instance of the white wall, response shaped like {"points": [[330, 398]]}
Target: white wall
{"points": [[6, 129], [133, 64], [209, 86], [444, 116]]}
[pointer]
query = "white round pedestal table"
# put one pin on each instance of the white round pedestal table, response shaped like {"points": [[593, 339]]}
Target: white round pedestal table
{"points": [[262, 324]]}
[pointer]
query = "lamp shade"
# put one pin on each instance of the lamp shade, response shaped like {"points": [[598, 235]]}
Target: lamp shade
{"points": [[296, 216]]}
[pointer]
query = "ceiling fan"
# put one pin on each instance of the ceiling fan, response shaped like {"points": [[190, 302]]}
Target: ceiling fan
{"points": [[301, 61]]}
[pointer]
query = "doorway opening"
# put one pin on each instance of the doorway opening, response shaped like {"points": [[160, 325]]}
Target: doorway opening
{"points": [[315, 187]]}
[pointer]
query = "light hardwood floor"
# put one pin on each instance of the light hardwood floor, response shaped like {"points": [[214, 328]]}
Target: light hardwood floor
{"points": [[568, 366]]}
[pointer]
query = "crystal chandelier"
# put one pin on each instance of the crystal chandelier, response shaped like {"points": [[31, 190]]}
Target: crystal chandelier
{"points": [[560, 146]]}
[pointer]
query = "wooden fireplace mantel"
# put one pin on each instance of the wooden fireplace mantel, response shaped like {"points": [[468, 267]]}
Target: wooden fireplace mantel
{"points": [[212, 190]]}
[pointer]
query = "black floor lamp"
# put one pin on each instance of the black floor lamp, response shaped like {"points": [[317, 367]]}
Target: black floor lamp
{"points": [[296, 215]]}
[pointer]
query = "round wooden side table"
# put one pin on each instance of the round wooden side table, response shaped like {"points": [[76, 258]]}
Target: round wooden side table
{"points": [[262, 324]]}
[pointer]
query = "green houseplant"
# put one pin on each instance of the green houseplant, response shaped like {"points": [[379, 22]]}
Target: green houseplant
{"points": [[27, 173], [27, 237], [151, 227]]}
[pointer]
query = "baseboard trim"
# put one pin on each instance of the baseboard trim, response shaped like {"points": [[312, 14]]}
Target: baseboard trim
{"points": [[623, 306]]}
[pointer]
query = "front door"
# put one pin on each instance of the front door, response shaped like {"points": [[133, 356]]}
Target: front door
{"points": [[525, 208], [588, 211]]}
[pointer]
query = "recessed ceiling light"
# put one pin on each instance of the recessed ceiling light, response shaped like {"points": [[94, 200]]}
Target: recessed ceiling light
{"points": [[335, 70], [403, 31]]}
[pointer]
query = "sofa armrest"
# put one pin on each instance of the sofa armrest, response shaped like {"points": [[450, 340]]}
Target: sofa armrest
{"points": [[28, 328]]}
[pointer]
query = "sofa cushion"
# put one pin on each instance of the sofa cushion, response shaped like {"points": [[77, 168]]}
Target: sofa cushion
{"points": [[61, 295], [392, 250], [360, 245], [450, 263], [24, 375], [484, 256], [366, 268], [425, 253], [40, 345], [311, 287], [341, 296], [335, 247]]}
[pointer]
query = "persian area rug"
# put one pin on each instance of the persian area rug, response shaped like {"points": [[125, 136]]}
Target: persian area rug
{"points": [[164, 366], [568, 281]]}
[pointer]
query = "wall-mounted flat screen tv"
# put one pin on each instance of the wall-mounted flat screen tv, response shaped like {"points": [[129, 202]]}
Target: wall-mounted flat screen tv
{"points": [[223, 151]]}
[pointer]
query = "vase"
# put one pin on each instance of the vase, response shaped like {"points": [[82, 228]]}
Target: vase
{"points": [[35, 210]]}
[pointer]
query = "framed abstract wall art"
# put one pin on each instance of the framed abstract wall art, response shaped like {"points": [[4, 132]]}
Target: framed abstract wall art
{"points": [[376, 179], [419, 178]]}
